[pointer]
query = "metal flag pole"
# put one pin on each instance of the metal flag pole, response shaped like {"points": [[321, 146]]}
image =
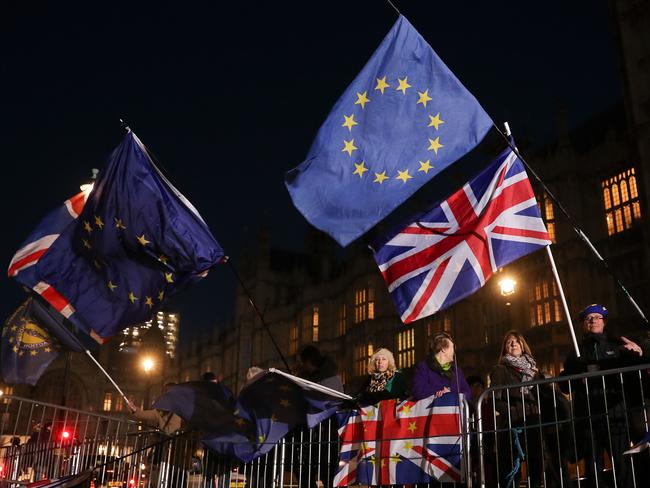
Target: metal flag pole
{"points": [[549, 253], [257, 311], [576, 229]]}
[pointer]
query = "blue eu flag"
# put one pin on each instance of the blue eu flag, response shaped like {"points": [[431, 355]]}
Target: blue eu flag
{"points": [[136, 242], [27, 348], [403, 120]]}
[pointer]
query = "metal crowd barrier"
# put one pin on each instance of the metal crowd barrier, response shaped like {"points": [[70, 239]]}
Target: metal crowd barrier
{"points": [[566, 431], [40, 440]]}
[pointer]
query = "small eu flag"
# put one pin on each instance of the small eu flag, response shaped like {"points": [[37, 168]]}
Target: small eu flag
{"points": [[135, 242], [27, 348], [403, 120]]}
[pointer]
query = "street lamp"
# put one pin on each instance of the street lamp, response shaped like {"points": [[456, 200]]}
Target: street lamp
{"points": [[148, 366], [507, 286]]}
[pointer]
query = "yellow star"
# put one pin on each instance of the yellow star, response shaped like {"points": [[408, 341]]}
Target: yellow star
{"points": [[406, 409], [383, 462], [372, 459], [148, 301], [403, 175], [13, 328], [11, 340], [424, 97], [33, 352], [434, 144], [169, 277], [240, 422], [163, 259], [370, 414], [362, 99], [395, 458], [14, 349], [119, 224], [360, 169], [425, 166], [403, 85], [132, 297], [380, 177], [87, 227], [381, 84], [47, 349], [161, 295], [142, 240], [96, 264], [21, 353], [86, 243], [99, 223], [349, 122], [408, 445], [262, 438], [412, 427], [285, 403], [435, 121], [349, 147], [111, 286]]}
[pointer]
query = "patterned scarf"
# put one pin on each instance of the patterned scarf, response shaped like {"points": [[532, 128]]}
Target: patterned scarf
{"points": [[379, 380], [525, 365]]}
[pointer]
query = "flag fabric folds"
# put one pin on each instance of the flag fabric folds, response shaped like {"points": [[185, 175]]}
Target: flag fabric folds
{"points": [[451, 250], [401, 443], [265, 411], [27, 349], [403, 120], [135, 242]]}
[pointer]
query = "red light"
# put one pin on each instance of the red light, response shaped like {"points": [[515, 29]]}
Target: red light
{"points": [[131, 482], [65, 435]]}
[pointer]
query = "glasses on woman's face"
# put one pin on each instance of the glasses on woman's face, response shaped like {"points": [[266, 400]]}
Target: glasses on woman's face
{"points": [[593, 318]]}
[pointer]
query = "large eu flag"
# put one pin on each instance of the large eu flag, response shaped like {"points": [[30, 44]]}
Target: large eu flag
{"points": [[403, 120], [135, 242]]}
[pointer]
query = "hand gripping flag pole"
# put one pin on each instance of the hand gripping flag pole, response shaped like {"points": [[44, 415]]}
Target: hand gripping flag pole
{"points": [[575, 227]]}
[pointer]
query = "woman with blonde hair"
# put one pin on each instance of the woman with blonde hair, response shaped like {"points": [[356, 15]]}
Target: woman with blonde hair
{"points": [[384, 381]]}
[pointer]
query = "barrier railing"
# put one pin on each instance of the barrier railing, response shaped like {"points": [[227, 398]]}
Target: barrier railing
{"points": [[565, 431]]}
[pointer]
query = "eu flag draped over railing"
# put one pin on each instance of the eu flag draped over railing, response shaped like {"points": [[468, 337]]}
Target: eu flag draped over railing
{"points": [[403, 120], [136, 241]]}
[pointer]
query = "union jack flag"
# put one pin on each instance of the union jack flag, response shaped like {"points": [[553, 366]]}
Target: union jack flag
{"points": [[454, 248], [408, 442]]}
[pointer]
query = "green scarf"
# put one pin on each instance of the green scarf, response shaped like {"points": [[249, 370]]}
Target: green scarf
{"points": [[443, 369]]}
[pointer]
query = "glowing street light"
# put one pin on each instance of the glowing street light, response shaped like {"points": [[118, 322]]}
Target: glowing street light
{"points": [[507, 286], [147, 365]]}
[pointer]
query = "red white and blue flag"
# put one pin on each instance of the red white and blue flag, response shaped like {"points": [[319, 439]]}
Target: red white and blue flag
{"points": [[452, 250], [408, 442]]}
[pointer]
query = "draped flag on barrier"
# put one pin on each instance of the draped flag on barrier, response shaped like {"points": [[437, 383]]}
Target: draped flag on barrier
{"points": [[403, 120], [399, 443], [266, 410], [451, 250], [111, 260]]}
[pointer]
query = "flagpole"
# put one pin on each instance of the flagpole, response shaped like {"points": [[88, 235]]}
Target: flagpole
{"points": [[576, 229], [257, 311], [563, 298]]}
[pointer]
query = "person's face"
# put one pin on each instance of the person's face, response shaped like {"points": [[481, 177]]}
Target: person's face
{"points": [[308, 366], [448, 352], [594, 323], [513, 347], [381, 364]]}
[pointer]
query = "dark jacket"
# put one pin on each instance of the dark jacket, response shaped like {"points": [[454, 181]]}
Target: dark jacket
{"points": [[395, 388], [427, 381], [512, 402]]}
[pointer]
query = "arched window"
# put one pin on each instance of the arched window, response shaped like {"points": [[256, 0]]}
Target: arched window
{"points": [[621, 201]]}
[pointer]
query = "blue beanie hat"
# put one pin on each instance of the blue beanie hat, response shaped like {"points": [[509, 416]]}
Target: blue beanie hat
{"points": [[593, 308]]}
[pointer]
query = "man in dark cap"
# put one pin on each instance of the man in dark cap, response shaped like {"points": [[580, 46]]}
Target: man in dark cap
{"points": [[599, 406]]}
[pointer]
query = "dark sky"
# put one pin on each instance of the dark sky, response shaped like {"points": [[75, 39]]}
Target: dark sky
{"points": [[229, 95]]}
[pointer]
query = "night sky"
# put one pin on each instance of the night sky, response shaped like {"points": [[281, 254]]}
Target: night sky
{"points": [[229, 95]]}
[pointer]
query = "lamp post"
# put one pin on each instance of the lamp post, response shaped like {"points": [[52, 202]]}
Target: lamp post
{"points": [[507, 287], [148, 365]]}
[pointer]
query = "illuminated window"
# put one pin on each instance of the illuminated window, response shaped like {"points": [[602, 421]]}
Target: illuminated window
{"points": [[406, 348], [362, 354], [108, 397], [548, 213], [293, 338], [621, 201], [364, 304], [343, 319], [440, 322], [315, 320], [544, 303], [119, 403]]}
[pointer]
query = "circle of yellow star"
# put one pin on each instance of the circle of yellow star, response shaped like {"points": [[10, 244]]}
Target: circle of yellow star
{"points": [[362, 99], [163, 259], [111, 286], [86, 243], [403, 85], [380, 177], [161, 295], [425, 166], [435, 121], [87, 227], [349, 122], [424, 97], [169, 277], [142, 240], [285, 403], [99, 223], [381, 84], [434, 144], [412, 427], [403, 175], [148, 302], [132, 297], [119, 224], [360, 169], [349, 147]]}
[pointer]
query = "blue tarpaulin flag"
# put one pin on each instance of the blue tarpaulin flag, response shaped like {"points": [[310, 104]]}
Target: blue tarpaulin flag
{"points": [[403, 120], [452, 249], [135, 242], [27, 348]]}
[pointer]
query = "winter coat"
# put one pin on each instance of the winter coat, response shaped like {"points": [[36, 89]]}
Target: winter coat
{"points": [[395, 388], [427, 381]]}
